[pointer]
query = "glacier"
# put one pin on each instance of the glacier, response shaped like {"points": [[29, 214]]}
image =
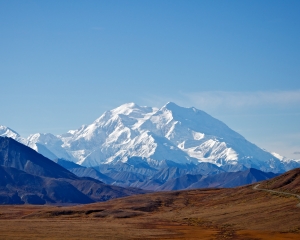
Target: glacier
{"points": [[182, 135]]}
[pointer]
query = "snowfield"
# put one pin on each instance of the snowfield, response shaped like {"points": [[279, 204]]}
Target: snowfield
{"points": [[183, 135]]}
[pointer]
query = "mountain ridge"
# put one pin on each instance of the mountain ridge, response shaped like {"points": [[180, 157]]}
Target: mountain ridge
{"points": [[28, 177], [182, 135]]}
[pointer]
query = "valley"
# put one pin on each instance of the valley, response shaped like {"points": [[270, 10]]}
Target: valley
{"points": [[240, 213], [158, 149]]}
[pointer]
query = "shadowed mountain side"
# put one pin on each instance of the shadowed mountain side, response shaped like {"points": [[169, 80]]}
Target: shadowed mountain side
{"points": [[67, 164], [99, 191], [191, 181], [18, 187], [232, 179], [174, 170], [127, 178], [171, 179], [29, 177], [92, 173], [169, 175], [163, 172], [205, 168], [288, 182], [16, 155], [138, 173], [81, 171], [134, 165], [182, 182]]}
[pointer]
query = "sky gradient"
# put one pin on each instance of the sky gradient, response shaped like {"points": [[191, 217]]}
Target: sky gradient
{"points": [[63, 63]]}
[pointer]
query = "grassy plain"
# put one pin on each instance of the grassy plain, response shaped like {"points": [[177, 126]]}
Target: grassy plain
{"points": [[240, 213]]}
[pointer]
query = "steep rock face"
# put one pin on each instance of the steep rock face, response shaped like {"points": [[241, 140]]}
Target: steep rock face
{"points": [[183, 135]]}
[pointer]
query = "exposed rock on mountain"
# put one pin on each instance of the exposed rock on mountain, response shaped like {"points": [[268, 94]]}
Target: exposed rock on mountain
{"points": [[170, 176]]}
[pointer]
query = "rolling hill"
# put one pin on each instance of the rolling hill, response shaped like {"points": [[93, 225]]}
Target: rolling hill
{"points": [[235, 213]]}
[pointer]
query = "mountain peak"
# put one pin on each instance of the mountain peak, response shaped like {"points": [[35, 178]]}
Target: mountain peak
{"points": [[172, 132], [171, 106], [176, 108], [7, 132], [129, 105], [126, 108]]}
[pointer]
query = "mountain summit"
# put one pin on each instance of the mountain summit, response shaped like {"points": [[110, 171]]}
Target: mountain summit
{"points": [[182, 135]]}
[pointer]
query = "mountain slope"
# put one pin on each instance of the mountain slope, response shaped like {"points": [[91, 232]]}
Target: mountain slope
{"points": [[182, 135], [171, 179], [19, 187], [28, 177], [232, 179], [288, 182], [182, 182], [81, 171], [16, 155]]}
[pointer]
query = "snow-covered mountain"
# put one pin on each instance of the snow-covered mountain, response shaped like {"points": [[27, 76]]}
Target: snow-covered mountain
{"points": [[36, 145], [183, 135]]}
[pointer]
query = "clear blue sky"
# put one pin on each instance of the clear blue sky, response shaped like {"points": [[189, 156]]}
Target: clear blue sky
{"points": [[63, 63]]}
